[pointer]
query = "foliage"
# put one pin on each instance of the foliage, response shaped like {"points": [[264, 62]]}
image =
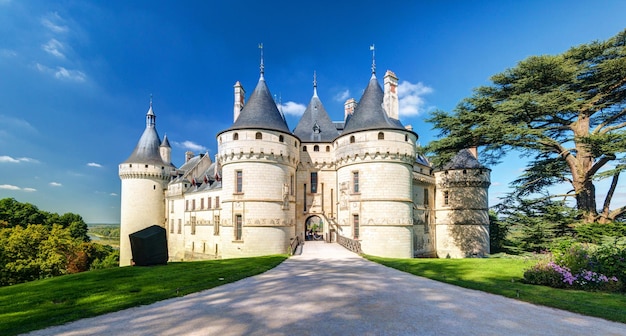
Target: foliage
{"points": [[498, 231], [565, 112], [43, 303], [35, 244], [581, 266], [532, 225], [596, 233], [105, 231], [503, 277]]}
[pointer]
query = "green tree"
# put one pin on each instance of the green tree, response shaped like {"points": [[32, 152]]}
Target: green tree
{"points": [[565, 112]]}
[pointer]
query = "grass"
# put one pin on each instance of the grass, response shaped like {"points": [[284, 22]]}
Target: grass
{"points": [[502, 276], [43, 303]]}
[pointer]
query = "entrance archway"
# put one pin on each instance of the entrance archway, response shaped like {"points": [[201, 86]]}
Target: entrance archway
{"points": [[314, 228]]}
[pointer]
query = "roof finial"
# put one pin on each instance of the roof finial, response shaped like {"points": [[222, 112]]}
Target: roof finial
{"points": [[373, 49], [262, 66], [151, 100], [314, 83]]}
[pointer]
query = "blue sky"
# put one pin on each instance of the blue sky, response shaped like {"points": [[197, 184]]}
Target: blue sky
{"points": [[76, 76]]}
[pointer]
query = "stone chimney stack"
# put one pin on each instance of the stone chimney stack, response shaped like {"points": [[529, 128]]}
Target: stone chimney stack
{"points": [[349, 106], [390, 100], [240, 96], [188, 156], [474, 151]]}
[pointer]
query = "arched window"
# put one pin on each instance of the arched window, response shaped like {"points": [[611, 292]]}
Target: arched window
{"points": [[352, 139], [328, 148], [258, 136], [281, 138], [236, 136], [316, 148], [381, 136], [304, 148]]}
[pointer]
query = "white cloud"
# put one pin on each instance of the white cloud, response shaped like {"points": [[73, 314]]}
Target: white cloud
{"points": [[12, 187], [113, 194], [8, 159], [292, 108], [62, 73], [93, 164], [7, 52], [410, 98], [55, 184], [342, 96], [75, 75], [54, 23], [16, 124], [54, 47], [190, 145]]}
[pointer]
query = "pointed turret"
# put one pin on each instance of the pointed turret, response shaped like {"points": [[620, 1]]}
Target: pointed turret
{"points": [[315, 125], [147, 150], [166, 150]]}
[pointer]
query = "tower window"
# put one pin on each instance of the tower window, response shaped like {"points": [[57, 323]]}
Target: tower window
{"points": [[446, 197], [216, 225], [238, 227], [236, 136], [328, 148], [355, 182], [239, 181], [406, 137], [291, 185], [258, 136], [352, 139], [355, 223], [281, 138], [304, 148], [425, 197], [314, 182], [381, 136], [316, 148]]}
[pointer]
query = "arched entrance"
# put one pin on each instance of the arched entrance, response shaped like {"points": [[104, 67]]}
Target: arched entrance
{"points": [[314, 228]]}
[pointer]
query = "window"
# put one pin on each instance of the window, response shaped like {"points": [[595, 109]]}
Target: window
{"points": [[186, 205], [193, 204], [202, 204], [258, 136], [446, 197], [304, 192], [352, 139], [355, 222], [291, 191], [328, 148], [281, 138], [355, 182], [425, 197], [316, 148], [238, 227], [171, 206], [171, 225], [236, 136], [217, 202], [314, 182], [193, 225], [208, 203], [406, 137], [239, 181], [216, 225], [381, 136], [180, 226], [304, 148]]}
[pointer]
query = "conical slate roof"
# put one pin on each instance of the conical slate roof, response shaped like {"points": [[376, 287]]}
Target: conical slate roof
{"points": [[147, 149], [260, 112], [315, 117], [369, 113], [464, 159], [165, 143]]}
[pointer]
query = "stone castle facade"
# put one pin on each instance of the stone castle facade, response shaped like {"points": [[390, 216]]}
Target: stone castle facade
{"points": [[359, 182]]}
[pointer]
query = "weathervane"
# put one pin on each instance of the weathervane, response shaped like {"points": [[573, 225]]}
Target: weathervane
{"points": [[262, 66], [373, 58]]}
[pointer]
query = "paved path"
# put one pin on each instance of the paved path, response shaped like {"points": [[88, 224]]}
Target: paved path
{"points": [[330, 291]]}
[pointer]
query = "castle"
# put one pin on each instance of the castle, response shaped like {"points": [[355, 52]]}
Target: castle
{"points": [[359, 182]]}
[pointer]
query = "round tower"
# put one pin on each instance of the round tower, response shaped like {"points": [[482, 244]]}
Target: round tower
{"points": [[462, 207], [144, 177], [258, 157], [374, 158]]}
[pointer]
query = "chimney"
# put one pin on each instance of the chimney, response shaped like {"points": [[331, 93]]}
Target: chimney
{"points": [[474, 151], [188, 156], [240, 95], [390, 100], [349, 106]]}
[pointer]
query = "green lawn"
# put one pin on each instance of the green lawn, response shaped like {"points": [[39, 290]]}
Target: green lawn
{"points": [[43, 303], [503, 276]]}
